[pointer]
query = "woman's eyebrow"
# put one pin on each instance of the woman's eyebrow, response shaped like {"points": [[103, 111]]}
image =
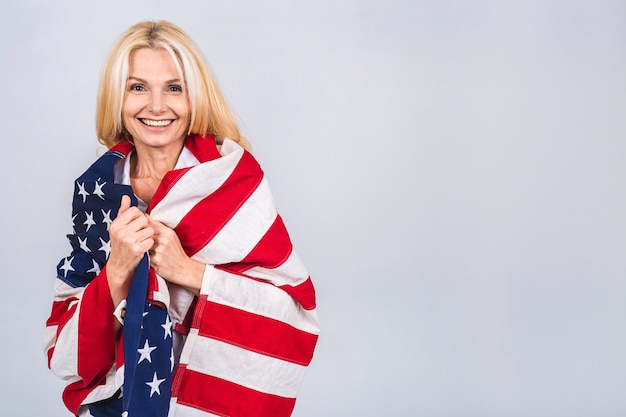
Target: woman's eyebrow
{"points": [[141, 80]]}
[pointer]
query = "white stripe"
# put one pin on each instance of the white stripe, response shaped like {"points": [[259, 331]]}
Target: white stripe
{"points": [[197, 183], [243, 367], [257, 297], [291, 272], [106, 390], [49, 337], [243, 231], [63, 291], [179, 410], [162, 293], [64, 361]]}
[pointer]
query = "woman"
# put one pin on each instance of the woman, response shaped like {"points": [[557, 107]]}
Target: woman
{"points": [[182, 294]]}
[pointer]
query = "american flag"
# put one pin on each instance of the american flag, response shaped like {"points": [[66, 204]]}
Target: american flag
{"points": [[148, 351], [254, 327]]}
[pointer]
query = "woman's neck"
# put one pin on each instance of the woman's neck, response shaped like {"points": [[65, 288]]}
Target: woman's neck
{"points": [[148, 166], [153, 163]]}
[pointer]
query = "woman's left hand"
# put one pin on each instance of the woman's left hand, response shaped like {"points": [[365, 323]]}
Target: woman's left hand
{"points": [[170, 261]]}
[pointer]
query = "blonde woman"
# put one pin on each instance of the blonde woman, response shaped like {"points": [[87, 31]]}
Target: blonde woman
{"points": [[182, 294]]}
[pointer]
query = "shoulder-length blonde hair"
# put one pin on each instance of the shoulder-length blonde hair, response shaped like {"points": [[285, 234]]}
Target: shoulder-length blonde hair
{"points": [[210, 113]]}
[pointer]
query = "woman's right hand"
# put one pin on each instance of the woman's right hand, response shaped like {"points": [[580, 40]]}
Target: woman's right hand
{"points": [[131, 237]]}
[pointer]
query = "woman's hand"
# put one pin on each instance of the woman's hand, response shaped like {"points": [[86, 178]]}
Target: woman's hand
{"points": [[131, 236], [170, 261]]}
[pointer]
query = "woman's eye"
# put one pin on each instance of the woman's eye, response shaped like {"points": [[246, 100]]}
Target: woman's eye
{"points": [[175, 88], [136, 87]]}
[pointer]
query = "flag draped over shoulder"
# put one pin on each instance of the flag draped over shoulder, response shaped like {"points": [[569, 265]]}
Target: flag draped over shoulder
{"points": [[254, 328]]}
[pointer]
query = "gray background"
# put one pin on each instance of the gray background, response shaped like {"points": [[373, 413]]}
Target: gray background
{"points": [[451, 172]]}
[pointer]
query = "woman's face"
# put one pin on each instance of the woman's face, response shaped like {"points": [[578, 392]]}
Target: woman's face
{"points": [[156, 110]]}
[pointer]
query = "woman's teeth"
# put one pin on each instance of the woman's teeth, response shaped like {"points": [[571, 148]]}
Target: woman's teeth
{"points": [[156, 123]]}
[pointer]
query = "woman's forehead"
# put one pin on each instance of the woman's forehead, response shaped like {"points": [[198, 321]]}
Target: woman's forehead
{"points": [[155, 62]]}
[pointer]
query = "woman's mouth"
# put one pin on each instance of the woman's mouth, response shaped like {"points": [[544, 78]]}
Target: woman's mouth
{"points": [[156, 123]]}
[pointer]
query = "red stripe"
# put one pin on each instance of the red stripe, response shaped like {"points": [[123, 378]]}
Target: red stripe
{"points": [[73, 395], [153, 288], [119, 357], [96, 332], [257, 333], [59, 310], [272, 250], [166, 184], [202, 147], [122, 146], [225, 398], [214, 211], [96, 341], [50, 353], [60, 320], [304, 293], [60, 315], [178, 375]]}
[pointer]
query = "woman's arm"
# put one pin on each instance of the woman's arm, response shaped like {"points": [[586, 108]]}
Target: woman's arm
{"points": [[81, 338]]}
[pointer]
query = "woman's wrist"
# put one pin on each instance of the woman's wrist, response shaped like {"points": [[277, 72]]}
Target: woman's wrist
{"points": [[118, 284], [194, 275]]}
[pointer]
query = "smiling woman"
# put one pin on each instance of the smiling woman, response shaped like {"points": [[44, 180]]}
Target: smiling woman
{"points": [[155, 111], [209, 112], [156, 115], [182, 294]]}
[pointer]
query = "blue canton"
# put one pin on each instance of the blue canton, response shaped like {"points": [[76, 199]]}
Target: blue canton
{"points": [[148, 355]]}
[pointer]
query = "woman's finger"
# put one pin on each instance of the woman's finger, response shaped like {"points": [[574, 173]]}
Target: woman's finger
{"points": [[124, 204], [145, 233]]}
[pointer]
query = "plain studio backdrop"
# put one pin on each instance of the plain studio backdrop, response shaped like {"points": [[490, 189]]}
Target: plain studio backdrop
{"points": [[452, 173]]}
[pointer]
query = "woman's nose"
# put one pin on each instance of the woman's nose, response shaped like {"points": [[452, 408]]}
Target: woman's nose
{"points": [[156, 103]]}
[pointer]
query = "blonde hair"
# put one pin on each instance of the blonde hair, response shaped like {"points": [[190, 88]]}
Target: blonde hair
{"points": [[210, 114]]}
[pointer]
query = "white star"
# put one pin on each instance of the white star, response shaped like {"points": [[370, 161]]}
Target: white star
{"points": [[98, 191], [107, 218], [167, 326], [154, 385], [89, 222], [74, 224], [106, 247], [83, 244], [145, 313], [67, 266], [96, 267], [145, 352], [82, 191]]}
